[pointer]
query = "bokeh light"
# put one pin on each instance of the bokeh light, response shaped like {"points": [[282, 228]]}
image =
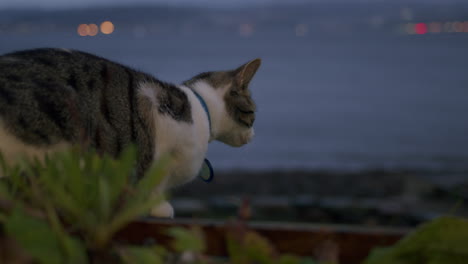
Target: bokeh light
{"points": [[93, 30], [420, 28], [435, 27], [83, 30], [107, 27], [410, 29], [458, 27], [448, 27], [465, 27]]}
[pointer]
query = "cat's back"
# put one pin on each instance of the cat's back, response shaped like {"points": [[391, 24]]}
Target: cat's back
{"points": [[51, 96], [54, 65], [59, 69]]}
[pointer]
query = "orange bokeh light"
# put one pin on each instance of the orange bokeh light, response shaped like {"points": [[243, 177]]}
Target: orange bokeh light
{"points": [[107, 27], [93, 30], [83, 30], [465, 27]]}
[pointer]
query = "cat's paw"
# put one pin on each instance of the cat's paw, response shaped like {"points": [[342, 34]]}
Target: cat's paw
{"points": [[163, 210]]}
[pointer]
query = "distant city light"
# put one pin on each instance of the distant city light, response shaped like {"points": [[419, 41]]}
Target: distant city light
{"points": [[83, 30], [301, 30], [410, 29], [107, 27], [458, 26], [435, 27], [448, 27], [420, 28], [93, 30], [465, 27], [246, 30]]}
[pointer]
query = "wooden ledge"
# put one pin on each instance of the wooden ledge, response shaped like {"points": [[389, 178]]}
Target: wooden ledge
{"points": [[351, 243]]}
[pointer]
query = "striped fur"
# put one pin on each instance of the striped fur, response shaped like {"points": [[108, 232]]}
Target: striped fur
{"points": [[51, 99]]}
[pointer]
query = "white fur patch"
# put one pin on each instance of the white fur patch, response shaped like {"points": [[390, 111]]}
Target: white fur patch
{"points": [[186, 143], [215, 103], [147, 89]]}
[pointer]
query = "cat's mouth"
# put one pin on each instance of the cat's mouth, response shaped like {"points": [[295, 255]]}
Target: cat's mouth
{"points": [[245, 123], [247, 112]]}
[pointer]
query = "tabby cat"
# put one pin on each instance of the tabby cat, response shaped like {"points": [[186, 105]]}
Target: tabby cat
{"points": [[51, 99]]}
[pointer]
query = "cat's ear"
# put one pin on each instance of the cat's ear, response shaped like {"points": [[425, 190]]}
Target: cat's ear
{"points": [[245, 73]]}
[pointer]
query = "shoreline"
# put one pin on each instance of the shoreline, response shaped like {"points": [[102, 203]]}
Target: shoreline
{"points": [[365, 198]]}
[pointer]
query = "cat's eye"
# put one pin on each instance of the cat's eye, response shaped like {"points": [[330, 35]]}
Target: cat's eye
{"points": [[234, 93]]}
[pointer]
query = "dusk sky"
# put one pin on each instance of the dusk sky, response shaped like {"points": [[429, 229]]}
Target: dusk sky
{"points": [[84, 3]]}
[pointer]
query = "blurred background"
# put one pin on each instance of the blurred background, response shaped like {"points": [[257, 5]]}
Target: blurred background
{"points": [[362, 105]]}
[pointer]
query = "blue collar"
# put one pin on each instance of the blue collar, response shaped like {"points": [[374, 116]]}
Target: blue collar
{"points": [[205, 107], [206, 173]]}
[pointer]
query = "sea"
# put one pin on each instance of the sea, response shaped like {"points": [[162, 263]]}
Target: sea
{"points": [[332, 97]]}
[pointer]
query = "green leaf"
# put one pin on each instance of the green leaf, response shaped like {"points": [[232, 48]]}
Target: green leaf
{"points": [[289, 259], [76, 251], [132, 211], [152, 178], [59, 196], [104, 200], [140, 255], [443, 240], [251, 247], [35, 236], [258, 248], [4, 192], [122, 170], [187, 239], [236, 251]]}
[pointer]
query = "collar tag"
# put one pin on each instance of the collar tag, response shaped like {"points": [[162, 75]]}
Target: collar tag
{"points": [[206, 173]]}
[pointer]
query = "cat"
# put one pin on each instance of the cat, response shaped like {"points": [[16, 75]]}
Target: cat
{"points": [[50, 99]]}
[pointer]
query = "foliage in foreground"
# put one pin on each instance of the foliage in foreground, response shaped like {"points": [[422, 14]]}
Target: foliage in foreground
{"points": [[442, 241], [68, 208]]}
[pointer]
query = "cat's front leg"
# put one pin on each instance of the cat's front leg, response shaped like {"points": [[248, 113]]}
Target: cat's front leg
{"points": [[163, 210]]}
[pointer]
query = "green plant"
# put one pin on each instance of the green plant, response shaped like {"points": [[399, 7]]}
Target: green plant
{"points": [[441, 241], [67, 208]]}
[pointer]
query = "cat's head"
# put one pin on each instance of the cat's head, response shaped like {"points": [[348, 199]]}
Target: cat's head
{"points": [[232, 108]]}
